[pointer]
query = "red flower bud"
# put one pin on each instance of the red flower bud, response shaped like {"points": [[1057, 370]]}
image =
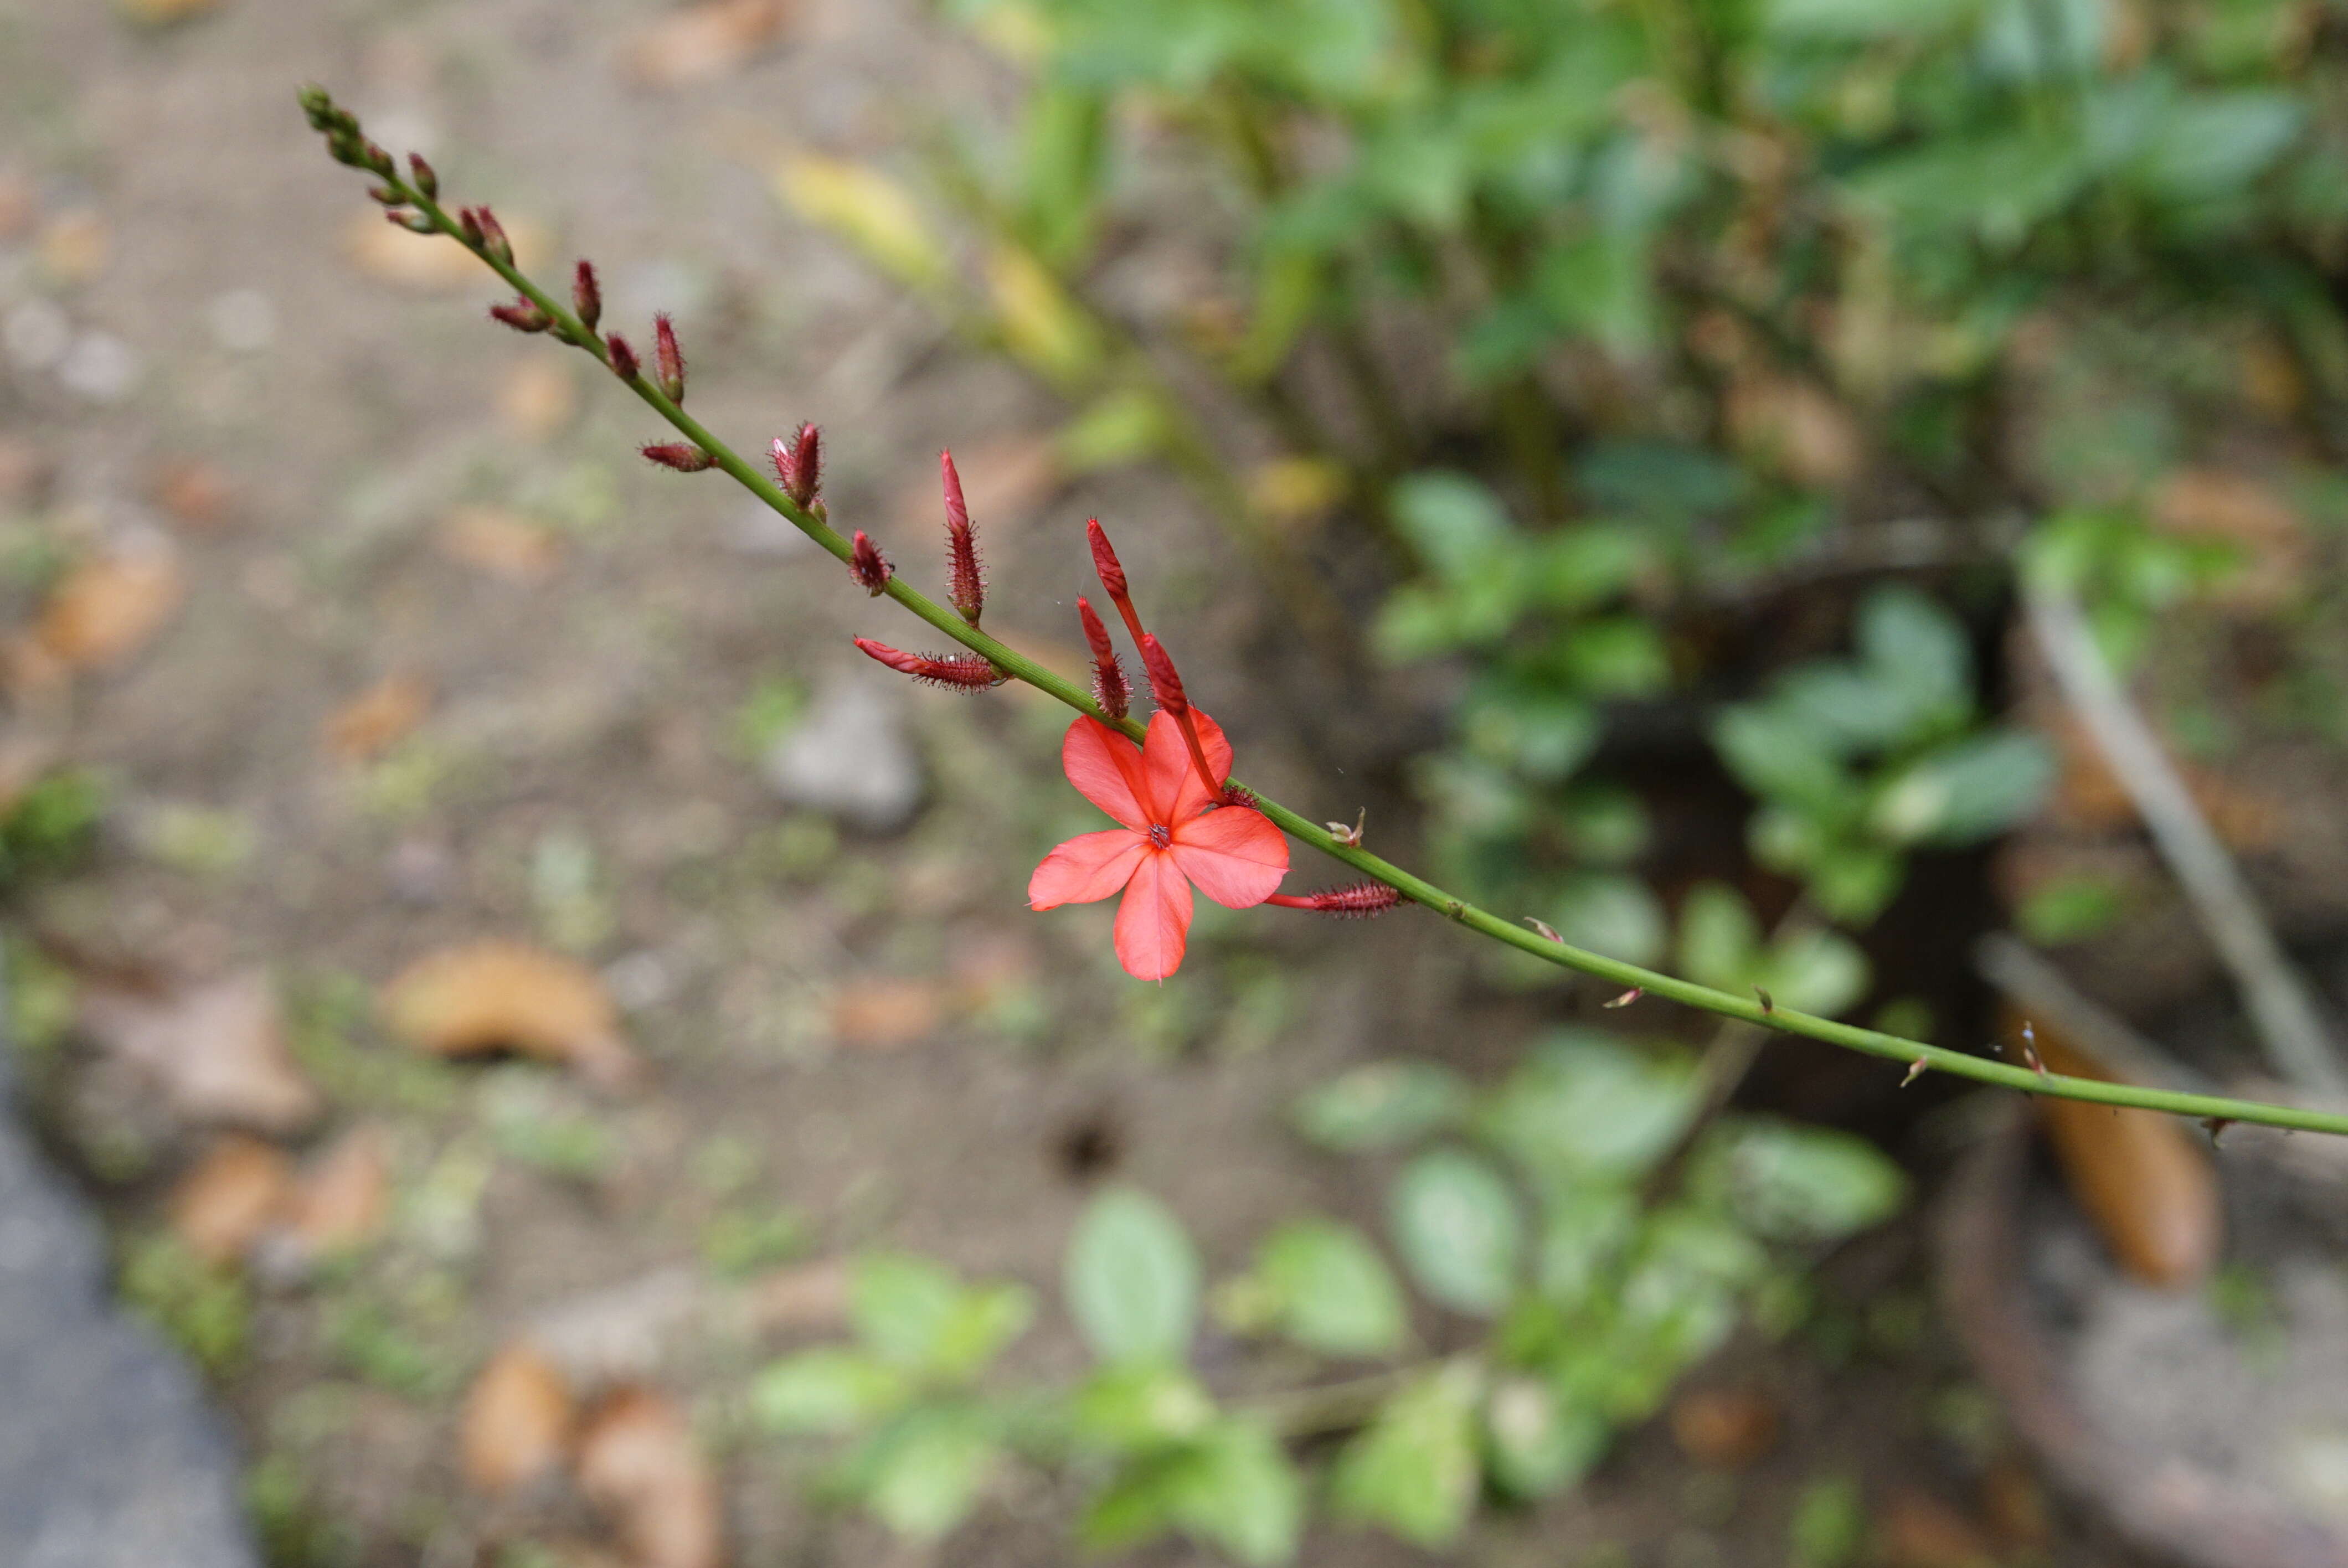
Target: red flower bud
{"points": [[586, 295], [1111, 689], [1165, 682], [960, 672], [671, 359], [469, 224], [421, 175], [1104, 561], [624, 358], [522, 316], [494, 243], [414, 223], [385, 196], [683, 456], [966, 585], [1353, 901], [868, 568], [800, 464]]}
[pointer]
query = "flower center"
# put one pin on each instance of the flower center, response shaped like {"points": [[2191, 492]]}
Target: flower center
{"points": [[1159, 836]]}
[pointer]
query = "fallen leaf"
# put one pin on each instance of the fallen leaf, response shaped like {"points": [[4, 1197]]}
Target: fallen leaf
{"points": [[194, 491], [504, 996], [217, 1048], [1724, 1428], [2252, 516], [618, 1333], [881, 1014], [110, 607], [72, 247], [1005, 482], [639, 1463], [801, 1298], [502, 543], [433, 264], [340, 1200], [233, 1194], [517, 1420], [369, 723], [701, 43], [537, 398], [1798, 426], [2141, 1176], [1916, 1529]]}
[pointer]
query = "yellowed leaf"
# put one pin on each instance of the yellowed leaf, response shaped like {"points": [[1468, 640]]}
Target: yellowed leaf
{"points": [[701, 43], [216, 1050], [505, 995], [110, 607], [1043, 326], [538, 397], [2139, 1177], [371, 721], [222, 1206], [883, 1014], [869, 211], [340, 1200], [433, 264], [517, 1421], [501, 543], [639, 1463]]}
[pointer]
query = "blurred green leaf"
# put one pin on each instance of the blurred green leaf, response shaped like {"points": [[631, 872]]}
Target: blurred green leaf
{"points": [[1415, 1470], [1140, 1406], [829, 1390], [921, 1473], [1536, 1444], [916, 1315], [1456, 1226], [1799, 1183], [1585, 1105], [1965, 792], [1132, 1278], [1233, 1488], [1330, 1291], [1382, 1105]]}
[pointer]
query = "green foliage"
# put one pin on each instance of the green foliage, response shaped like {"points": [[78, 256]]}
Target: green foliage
{"points": [[915, 1316], [203, 1309], [1323, 1286], [1415, 1468], [51, 826], [1133, 1280], [1456, 1226], [1382, 1105]]}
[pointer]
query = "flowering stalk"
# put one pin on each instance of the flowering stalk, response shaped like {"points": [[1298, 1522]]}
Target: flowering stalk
{"points": [[347, 146]]}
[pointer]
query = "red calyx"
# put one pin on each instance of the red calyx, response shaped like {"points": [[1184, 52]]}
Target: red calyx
{"points": [[494, 242], [870, 569], [420, 174], [1165, 680], [958, 671], [522, 316], [800, 464], [680, 455], [624, 358], [1112, 576], [965, 584], [1353, 901], [1111, 689], [586, 295], [670, 357]]}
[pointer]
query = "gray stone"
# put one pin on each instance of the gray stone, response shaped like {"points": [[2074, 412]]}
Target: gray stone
{"points": [[852, 758], [108, 1458]]}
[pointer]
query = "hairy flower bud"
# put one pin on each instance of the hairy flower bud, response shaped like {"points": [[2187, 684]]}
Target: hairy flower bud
{"points": [[624, 358], [959, 671], [1353, 901], [670, 357], [966, 585], [798, 465], [385, 196], [469, 226], [868, 566], [317, 105], [494, 243], [414, 223], [1165, 682], [683, 456], [586, 295], [420, 173], [522, 315], [1104, 561], [1111, 689]]}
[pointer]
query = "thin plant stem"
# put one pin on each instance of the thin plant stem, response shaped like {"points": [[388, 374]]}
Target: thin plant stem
{"points": [[1613, 972]]}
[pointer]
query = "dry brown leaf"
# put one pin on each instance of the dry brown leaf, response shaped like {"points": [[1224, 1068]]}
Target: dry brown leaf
{"points": [[1799, 426], [20, 203], [2088, 794], [433, 264], [216, 1049], [109, 606], [502, 543], [72, 247], [638, 1462], [505, 995], [2139, 1175], [340, 1200], [1916, 1529], [233, 1194], [517, 1420], [801, 1298], [701, 43], [881, 1014], [2247, 513], [537, 398], [1725, 1428], [2014, 1504], [371, 721], [1005, 481], [195, 492]]}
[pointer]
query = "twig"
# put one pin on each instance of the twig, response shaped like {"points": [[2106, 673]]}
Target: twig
{"points": [[2036, 987], [2281, 1005]]}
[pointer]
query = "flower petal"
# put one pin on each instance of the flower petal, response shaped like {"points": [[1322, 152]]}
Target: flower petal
{"points": [[1153, 924], [1235, 855], [1085, 868], [1107, 770], [1174, 786]]}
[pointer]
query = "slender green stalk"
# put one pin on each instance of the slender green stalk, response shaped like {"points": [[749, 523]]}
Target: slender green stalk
{"points": [[1750, 1009]]}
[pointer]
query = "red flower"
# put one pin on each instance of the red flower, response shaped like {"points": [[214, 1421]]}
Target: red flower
{"points": [[1174, 837]]}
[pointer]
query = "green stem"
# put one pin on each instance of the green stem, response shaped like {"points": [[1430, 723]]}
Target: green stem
{"points": [[1614, 971]]}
